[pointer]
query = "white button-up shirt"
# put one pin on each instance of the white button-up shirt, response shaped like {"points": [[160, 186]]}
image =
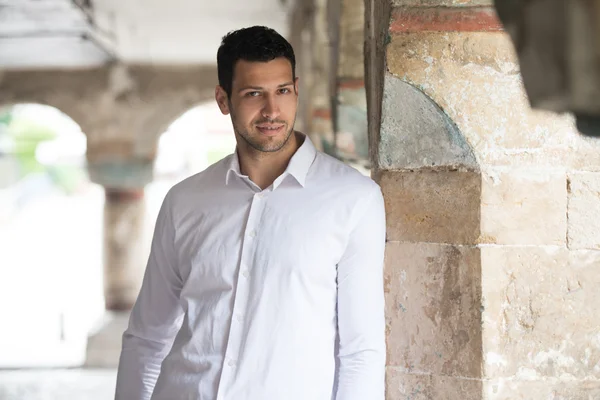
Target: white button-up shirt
{"points": [[253, 294]]}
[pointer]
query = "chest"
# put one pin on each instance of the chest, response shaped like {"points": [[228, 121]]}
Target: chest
{"points": [[294, 232]]}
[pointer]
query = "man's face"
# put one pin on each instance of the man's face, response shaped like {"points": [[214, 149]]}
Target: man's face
{"points": [[263, 103]]}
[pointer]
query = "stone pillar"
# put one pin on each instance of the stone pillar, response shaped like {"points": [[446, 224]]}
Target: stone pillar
{"points": [[114, 165], [493, 255], [351, 103], [301, 19], [319, 124], [125, 247]]}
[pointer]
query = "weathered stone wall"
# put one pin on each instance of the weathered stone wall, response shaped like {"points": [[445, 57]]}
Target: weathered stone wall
{"points": [[493, 258]]}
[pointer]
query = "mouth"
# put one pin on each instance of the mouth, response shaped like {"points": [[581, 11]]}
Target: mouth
{"points": [[270, 129]]}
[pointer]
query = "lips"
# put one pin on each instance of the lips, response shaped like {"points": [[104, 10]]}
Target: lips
{"points": [[270, 130]]}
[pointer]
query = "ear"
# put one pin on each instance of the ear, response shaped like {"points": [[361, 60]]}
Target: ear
{"points": [[222, 100], [296, 85]]}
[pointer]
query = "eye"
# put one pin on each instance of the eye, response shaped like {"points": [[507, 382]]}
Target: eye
{"points": [[284, 91], [253, 94]]}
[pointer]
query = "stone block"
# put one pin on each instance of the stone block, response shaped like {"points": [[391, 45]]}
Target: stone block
{"points": [[433, 305], [524, 207], [474, 77], [541, 313], [432, 206], [400, 385], [508, 389], [584, 210]]}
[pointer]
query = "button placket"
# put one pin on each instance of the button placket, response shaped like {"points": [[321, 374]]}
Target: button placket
{"points": [[241, 292]]}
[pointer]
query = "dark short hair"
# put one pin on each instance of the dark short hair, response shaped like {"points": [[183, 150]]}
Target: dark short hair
{"points": [[257, 43]]}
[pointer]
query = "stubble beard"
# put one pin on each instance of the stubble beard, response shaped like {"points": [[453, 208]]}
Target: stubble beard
{"points": [[258, 146]]}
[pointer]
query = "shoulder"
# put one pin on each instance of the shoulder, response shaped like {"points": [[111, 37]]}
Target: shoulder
{"points": [[341, 177], [199, 184]]}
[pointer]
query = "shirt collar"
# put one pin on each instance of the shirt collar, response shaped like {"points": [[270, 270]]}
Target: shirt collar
{"points": [[298, 166]]}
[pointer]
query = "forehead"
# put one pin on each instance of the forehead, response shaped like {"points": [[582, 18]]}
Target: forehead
{"points": [[259, 73]]}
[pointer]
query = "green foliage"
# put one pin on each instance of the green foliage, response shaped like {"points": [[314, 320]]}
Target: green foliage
{"points": [[27, 135]]}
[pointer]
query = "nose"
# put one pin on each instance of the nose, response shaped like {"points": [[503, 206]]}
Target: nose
{"points": [[270, 108]]}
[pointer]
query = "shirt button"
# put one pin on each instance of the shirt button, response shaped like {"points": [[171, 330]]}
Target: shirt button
{"points": [[260, 195], [245, 274], [252, 233], [231, 363], [239, 317]]}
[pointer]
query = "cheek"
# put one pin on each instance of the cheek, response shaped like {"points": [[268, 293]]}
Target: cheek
{"points": [[289, 106], [245, 114]]}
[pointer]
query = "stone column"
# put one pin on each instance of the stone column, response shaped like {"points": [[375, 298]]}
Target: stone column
{"points": [[124, 176], [493, 262], [319, 124], [125, 247], [351, 103]]}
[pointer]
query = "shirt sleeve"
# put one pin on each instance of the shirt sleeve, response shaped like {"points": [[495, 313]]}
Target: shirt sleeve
{"points": [[155, 318], [360, 307]]}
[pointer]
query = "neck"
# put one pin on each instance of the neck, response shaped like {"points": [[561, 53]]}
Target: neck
{"points": [[263, 168]]}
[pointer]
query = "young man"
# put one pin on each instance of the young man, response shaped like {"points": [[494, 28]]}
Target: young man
{"points": [[264, 280]]}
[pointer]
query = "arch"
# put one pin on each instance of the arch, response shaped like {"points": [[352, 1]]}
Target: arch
{"points": [[198, 137], [52, 211], [164, 114], [421, 135]]}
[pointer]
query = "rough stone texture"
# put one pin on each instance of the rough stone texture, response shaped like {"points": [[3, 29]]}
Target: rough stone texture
{"points": [[524, 207], [416, 133], [584, 211], [432, 206], [432, 308], [474, 77], [403, 386], [125, 250], [550, 389], [541, 307], [537, 300], [124, 107]]}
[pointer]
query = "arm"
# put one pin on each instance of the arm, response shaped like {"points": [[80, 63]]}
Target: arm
{"points": [[155, 317], [361, 319]]}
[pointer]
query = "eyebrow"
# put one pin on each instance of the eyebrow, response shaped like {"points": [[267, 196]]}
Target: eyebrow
{"points": [[261, 88]]}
